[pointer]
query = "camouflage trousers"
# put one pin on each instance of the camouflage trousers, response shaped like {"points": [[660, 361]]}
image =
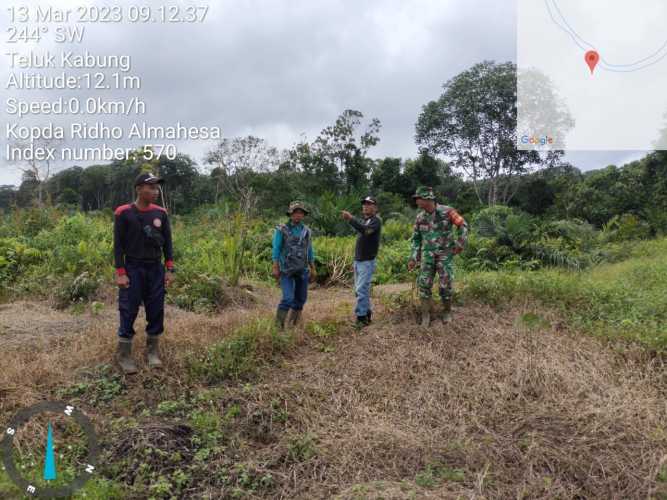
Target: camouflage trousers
{"points": [[430, 265]]}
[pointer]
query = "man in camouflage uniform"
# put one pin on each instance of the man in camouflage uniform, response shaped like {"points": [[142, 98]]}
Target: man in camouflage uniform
{"points": [[434, 244]]}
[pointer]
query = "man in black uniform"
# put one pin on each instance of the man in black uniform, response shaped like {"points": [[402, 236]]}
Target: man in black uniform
{"points": [[365, 252], [141, 235]]}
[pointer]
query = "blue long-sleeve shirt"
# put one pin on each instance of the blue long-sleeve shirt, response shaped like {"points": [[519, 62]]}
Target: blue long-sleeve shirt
{"points": [[278, 243]]}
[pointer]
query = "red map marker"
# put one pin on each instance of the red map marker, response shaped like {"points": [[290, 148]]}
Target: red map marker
{"points": [[592, 59]]}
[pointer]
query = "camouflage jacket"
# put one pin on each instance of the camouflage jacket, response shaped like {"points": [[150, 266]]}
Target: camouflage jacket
{"points": [[436, 234]]}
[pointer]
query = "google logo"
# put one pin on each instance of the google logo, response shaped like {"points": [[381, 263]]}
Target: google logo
{"points": [[535, 141]]}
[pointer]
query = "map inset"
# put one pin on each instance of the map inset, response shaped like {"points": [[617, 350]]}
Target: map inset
{"points": [[592, 75]]}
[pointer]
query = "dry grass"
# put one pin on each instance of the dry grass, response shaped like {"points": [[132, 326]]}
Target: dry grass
{"points": [[523, 412]]}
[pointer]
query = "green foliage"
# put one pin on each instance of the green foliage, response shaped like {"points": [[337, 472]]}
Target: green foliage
{"points": [[325, 213], [101, 386], [506, 238], [392, 263], [171, 408], [301, 448], [436, 473], [16, 257], [482, 102], [240, 354], [69, 260], [322, 329], [199, 292], [207, 425], [621, 300], [532, 322], [398, 229], [244, 480], [624, 228], [72, 289], [333, 259]]}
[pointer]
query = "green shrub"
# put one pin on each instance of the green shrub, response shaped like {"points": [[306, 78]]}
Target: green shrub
{"points": [[198, 292], [392, 264], [624, 228], [301, 448], [396, 230], [72, 289], [239, 355], [620, 300], [334, 257]]}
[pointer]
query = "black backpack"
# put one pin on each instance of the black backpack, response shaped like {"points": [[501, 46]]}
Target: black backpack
{"points": [[295, 250]]}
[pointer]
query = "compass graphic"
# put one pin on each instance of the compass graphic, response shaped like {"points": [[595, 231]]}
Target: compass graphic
{"points": [[72, 416]]}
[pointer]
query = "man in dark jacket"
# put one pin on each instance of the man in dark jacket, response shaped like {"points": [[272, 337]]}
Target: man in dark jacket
{"points": [[365, 252], [142, 234]]}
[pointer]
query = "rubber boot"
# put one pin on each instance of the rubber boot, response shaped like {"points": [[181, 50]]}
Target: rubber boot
{"points": [[446, 310], [426, 312], [281, 315], [294, 317], [369, 317], [362, 321], [124, 355], [152, 351]]}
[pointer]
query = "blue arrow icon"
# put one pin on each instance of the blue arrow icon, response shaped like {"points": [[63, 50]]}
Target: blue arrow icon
{"points": [[50, 458]]}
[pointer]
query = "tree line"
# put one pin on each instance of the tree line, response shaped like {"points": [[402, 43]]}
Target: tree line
{"points": [[465, 150]]}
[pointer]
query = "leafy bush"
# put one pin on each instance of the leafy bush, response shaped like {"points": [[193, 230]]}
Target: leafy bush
{"points": [[72, 289], [505, 238], [198, 292], [240, 354], [396, 230], [325, 214], [15, 258], [333, 258], [392, 263], [624, 228], [77, 244], [624, 299]]}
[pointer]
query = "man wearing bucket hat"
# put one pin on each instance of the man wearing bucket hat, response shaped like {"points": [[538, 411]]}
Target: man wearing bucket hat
{"points": [[366, 249], [293, 263], [142, 235], [434, 244]]}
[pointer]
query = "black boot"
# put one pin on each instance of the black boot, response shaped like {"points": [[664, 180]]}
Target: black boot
{"points": [[362, 321], [294, 317], [152, 351], [446, 309], [124, 354], [369, 317], [281, 315], [426, 313]]}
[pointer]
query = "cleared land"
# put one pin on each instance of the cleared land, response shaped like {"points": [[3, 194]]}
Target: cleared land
{"points": [[501, 403]]}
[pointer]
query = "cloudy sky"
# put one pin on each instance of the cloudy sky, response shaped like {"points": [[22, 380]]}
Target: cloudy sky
{"points": [[284, 69]]}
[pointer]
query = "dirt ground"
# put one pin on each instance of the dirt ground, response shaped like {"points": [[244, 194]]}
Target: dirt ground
{"points": [[497, 406]]}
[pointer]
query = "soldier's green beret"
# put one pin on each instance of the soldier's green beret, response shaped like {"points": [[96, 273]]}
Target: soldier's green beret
{"points": [[425, 193]]}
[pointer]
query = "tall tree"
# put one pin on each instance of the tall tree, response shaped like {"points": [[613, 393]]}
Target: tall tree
{"points": [[474, 125], [345, 147], [96, 187], [338, 157], [65, 186], [233, 162], [37, 170], [179, 176], [8, 195], [386, 176]]}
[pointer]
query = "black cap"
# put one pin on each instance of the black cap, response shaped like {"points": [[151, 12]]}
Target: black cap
{"points": [[147, 178], [369, 199]]}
